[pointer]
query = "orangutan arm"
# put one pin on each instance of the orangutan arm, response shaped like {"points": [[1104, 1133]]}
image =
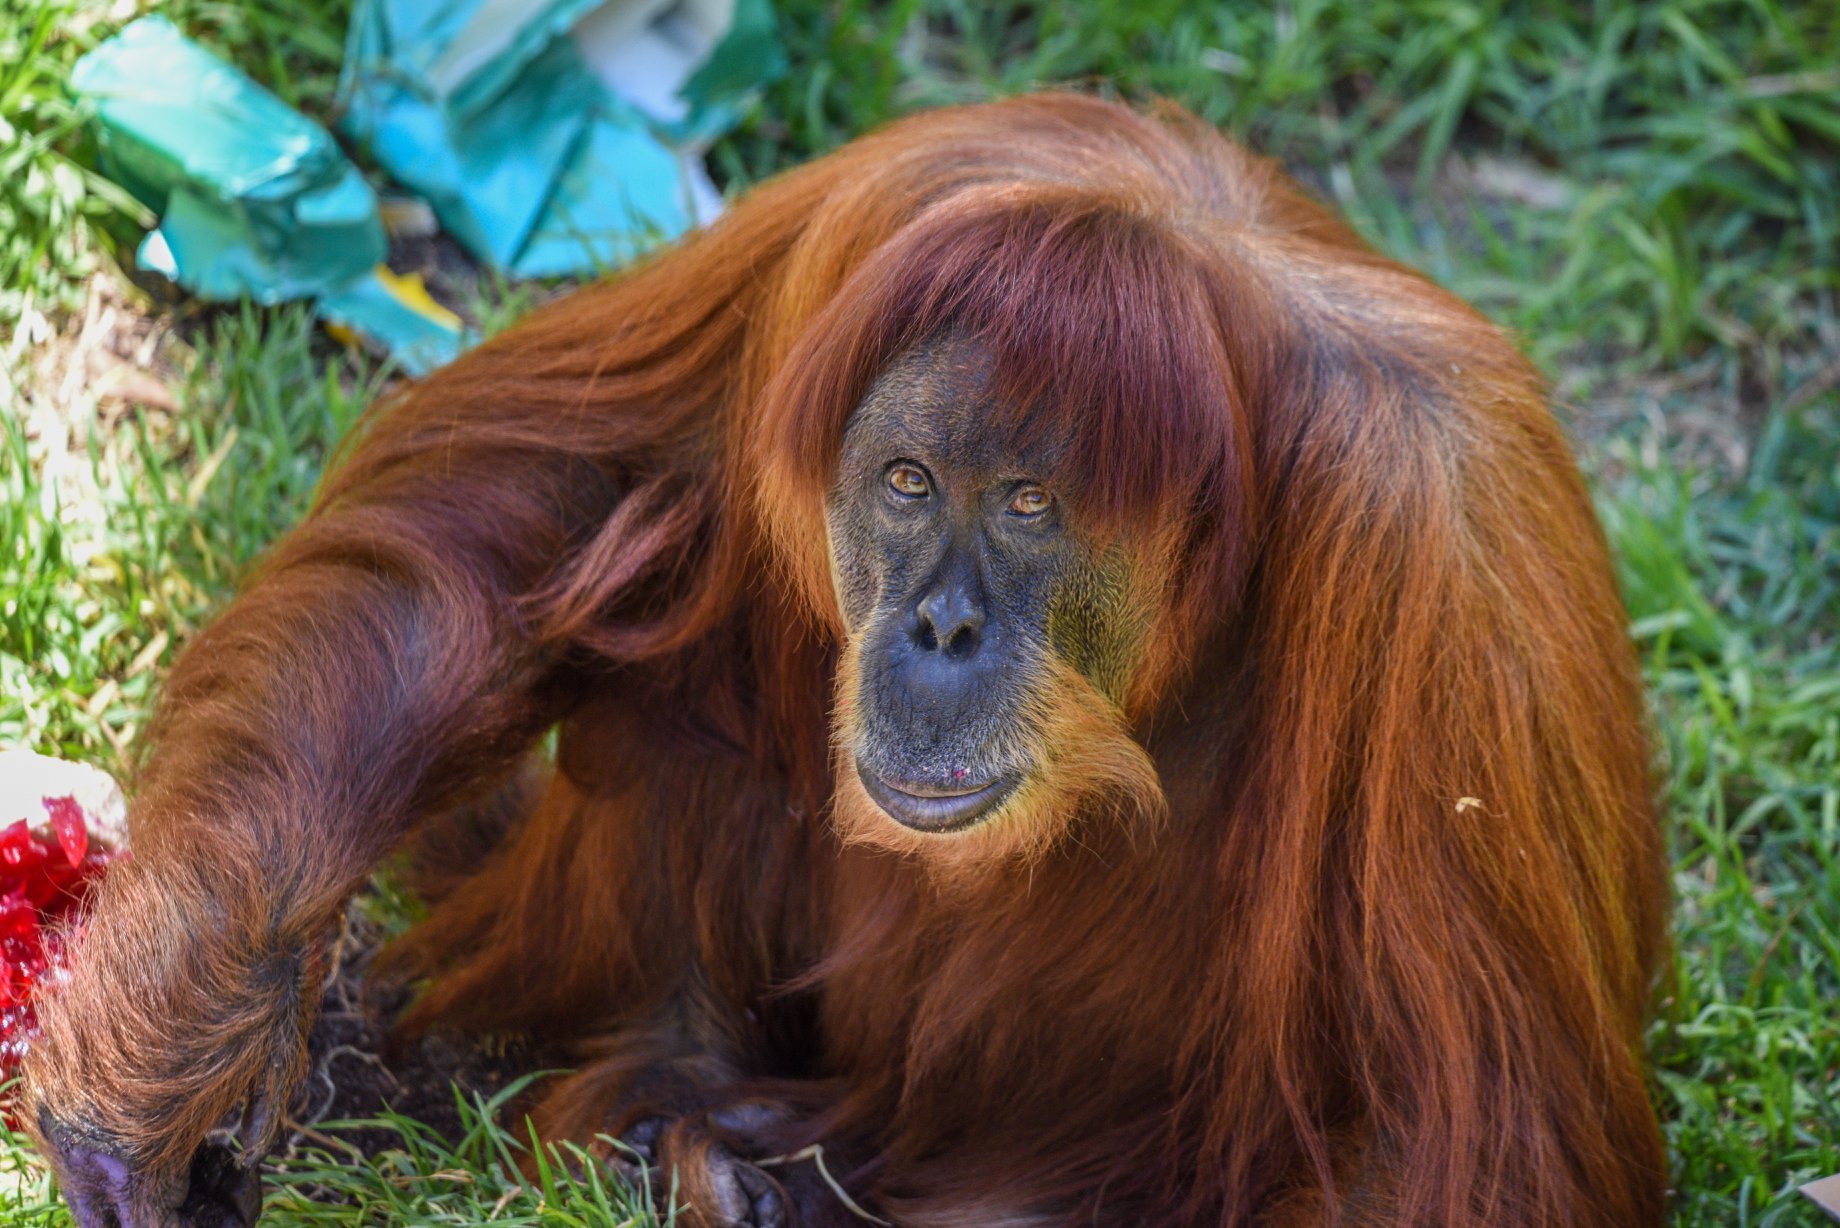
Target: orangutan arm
{"points": [[540, 502], [378, 666]]}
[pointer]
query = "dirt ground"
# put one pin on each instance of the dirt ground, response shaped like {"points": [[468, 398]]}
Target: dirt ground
{"points": [[358, 1069]]}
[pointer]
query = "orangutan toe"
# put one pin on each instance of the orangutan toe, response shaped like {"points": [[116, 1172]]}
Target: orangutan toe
{"points": [[641, 1138], [716, 1187], [743, 1196]]}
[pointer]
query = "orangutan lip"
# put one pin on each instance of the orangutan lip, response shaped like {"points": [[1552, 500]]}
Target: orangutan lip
{"points": [[934, 810]]}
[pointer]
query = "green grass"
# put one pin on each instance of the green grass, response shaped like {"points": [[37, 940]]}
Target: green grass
{"points": [[1647, 194], [120, 541], [419, 1177], [1685, 136], [1734, 585]]}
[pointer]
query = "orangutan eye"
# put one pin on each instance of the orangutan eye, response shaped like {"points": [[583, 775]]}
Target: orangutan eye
{"points": [[909, 481], [1029, 501]]}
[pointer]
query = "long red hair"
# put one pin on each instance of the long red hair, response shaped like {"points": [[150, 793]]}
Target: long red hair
{"points": [[1386, 954], [1414, 862]]}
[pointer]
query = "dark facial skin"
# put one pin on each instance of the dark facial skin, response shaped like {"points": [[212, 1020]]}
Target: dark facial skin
{"points": [[961, 570]]}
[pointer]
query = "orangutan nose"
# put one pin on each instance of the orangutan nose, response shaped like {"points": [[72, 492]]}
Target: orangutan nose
{"points": [[949, 618]]}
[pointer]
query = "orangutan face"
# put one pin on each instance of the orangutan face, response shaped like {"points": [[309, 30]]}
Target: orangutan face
{"points": [[969, 594]]}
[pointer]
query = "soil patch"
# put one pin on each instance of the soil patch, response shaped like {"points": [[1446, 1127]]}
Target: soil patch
{"points": [[359, 1069]]}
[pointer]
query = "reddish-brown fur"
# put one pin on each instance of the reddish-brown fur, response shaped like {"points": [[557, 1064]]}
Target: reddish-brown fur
{"points": [[1377, 952]]}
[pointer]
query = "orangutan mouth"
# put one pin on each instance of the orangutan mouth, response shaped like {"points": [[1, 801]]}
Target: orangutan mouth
{"points": [[929, 809]]}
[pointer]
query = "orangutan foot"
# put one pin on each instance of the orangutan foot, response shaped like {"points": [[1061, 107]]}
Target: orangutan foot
{"points": [[724, 1191]]}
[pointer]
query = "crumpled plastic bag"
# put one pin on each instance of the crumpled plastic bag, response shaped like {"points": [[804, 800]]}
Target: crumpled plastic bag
{"points": [[255, 200], [557, 136], [550, 138]]}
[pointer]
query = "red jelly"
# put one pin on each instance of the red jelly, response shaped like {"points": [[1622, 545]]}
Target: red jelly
{"points": [[44, 880]]}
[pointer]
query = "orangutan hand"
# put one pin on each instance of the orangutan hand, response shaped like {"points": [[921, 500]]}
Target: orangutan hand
{"points": [[183, 1013], [105, 1190]]}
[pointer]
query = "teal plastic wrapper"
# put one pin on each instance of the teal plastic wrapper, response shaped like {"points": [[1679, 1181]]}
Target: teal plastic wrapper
{"points": [[418, 335], [555, 137], [255, 200]]}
